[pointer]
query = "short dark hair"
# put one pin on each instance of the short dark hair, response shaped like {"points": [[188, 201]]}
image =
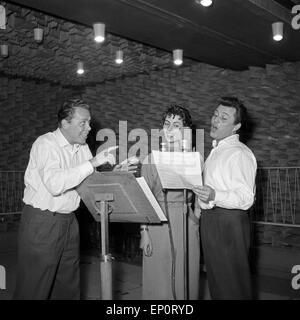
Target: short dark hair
{"points": [[182, 112], [68, 108], [240, 109]]}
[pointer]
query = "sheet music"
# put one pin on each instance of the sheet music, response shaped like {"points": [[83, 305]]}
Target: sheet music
{"points": [[178, 170], [143, 184]]}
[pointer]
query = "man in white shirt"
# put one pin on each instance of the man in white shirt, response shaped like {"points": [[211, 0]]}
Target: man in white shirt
{"points": [[228, 192], [48, 244]]}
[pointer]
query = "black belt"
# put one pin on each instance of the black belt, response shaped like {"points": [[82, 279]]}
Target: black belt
{"points": [[48, 212], [223, 210]]}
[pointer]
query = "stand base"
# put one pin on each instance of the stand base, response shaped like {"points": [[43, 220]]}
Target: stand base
{"points": [[106, 277]]}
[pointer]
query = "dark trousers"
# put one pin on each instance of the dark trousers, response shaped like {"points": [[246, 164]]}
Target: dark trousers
{"points": [[225, 236], [48, 256]]}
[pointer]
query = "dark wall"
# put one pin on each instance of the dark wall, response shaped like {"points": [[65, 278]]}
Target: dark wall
{"points": [[27, 110], [272, 95]]}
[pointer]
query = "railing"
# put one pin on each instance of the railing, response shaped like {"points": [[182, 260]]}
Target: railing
{"points": [[277, 196]]}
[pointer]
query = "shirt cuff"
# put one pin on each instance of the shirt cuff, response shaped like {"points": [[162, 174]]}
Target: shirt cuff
{"points": [[86, 169], [206, 206], [220, 196]]}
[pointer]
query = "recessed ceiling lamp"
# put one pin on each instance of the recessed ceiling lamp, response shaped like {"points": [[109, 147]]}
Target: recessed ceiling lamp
{"points": [[2, 17], [177, 57], [4, 50], [38, 34], [99, 31], [277, 28], [119, 56], [204, 3], [80, 69]]}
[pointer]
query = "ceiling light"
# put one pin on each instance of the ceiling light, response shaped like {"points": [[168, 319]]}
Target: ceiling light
{"points": [[2, 17], [80, 69], [177, 57], [4, 50], [277, 28], [119, 56], [99, 32], [38, 34], [204, 3]]}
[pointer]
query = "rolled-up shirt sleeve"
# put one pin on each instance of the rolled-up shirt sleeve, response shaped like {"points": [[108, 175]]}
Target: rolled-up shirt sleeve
{"points": [[56, 179]]}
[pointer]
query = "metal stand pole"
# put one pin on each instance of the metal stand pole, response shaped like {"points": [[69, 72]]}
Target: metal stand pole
{"points": [[106, 258], [185, 247]]}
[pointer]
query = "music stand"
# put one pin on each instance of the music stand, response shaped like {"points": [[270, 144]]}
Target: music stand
{"points": [[114, 197]]}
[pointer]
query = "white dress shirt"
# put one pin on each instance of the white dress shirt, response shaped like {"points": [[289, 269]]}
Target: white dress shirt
{"points": [[55, 168], [230, 170]]}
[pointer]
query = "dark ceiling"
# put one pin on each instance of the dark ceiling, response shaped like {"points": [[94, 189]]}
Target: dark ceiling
{"points": [[232, 34]]}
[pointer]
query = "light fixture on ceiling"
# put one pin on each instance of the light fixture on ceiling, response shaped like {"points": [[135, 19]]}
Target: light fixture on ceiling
{"points": [[277, 28], [99, 31], [204, 3], [177, 57], [2, 17], [38, 34], [119, 57], [4, 50], [80, 69]]}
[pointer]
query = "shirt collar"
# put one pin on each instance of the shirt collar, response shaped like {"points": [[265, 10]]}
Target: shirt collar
{"points": [[63, 142], [228, 140]]}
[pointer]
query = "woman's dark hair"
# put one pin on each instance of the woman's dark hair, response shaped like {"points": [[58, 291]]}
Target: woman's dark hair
{"points": [[181, 112], [68, 108]]}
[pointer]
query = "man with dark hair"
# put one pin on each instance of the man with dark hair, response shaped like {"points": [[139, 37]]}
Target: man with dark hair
{"points": [[48, 243], [227, 194]]}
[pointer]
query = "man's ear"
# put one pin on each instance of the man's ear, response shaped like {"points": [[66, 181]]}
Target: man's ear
{"points": [[64, 124], [237, 127]]}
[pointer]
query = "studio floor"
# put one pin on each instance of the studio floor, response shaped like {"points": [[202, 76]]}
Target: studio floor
{"points": [[127, 277]]}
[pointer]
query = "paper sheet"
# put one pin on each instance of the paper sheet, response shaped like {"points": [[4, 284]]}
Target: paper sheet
{"points": [[178, 170], [143, 184]]}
